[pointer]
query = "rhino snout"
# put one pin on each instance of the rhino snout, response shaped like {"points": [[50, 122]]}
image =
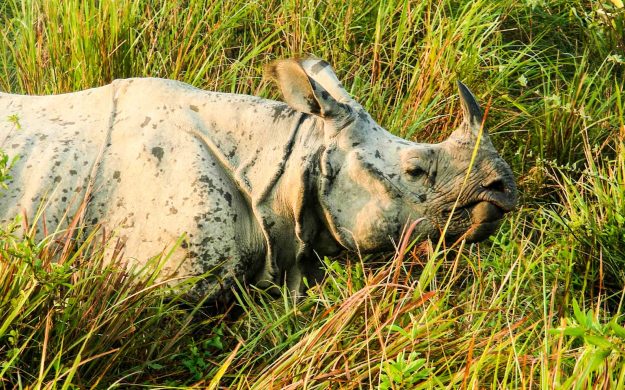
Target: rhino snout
{"points": [[495, 197], [498, 196], [501, 192]]}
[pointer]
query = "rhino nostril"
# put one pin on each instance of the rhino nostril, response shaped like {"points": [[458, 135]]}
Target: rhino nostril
{"points": [[496, 185]]}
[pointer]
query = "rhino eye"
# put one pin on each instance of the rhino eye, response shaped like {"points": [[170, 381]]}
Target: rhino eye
{"points": [[416, 172]]}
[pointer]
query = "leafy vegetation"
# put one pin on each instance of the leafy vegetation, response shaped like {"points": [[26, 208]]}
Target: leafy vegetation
{"points": [[539, 305]]}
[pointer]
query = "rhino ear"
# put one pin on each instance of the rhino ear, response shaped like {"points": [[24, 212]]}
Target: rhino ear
{"points": [[302, 92], [470, 107], [322, 72]]}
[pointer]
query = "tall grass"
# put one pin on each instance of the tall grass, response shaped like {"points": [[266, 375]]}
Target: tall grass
{"points": [[538, 306], [72, 316]]}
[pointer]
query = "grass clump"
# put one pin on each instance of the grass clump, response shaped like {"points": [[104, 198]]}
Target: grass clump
{"points": [[539, 305], [72, 316], [593, 214]]}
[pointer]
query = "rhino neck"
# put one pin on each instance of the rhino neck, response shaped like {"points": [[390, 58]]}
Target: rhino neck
{"points": [[298, 235], [299, 189]]}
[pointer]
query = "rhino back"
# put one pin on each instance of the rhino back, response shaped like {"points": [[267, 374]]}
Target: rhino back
{"points": [[165, 159], [57, 140]]}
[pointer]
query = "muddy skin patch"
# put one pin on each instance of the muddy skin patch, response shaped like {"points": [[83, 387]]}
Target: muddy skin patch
{"points": [[319, 66], [158, 152]]}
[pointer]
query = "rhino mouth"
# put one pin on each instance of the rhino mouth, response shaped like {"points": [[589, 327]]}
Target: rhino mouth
{"points": [[483, 218]]}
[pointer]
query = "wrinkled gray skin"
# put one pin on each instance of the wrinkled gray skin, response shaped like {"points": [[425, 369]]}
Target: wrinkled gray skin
{"points": [[260, 188]]}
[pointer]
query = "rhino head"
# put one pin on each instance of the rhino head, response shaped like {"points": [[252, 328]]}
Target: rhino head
{"points": [[371, 183]]}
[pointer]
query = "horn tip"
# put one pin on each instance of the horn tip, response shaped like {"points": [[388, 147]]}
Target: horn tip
{"points": [[472, 110], [462, 87]]}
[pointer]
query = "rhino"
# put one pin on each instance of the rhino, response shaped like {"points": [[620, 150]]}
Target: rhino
{"points": [[260, 189]]}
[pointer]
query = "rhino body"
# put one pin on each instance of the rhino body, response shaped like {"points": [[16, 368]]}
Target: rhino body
{"points": [[261, 189]]}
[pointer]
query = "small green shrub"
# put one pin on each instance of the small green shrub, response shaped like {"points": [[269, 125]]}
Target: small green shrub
{"points": [[404, 372]]}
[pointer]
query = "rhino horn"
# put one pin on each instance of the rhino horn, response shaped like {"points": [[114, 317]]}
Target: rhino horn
{"points": [[471, 110]]}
